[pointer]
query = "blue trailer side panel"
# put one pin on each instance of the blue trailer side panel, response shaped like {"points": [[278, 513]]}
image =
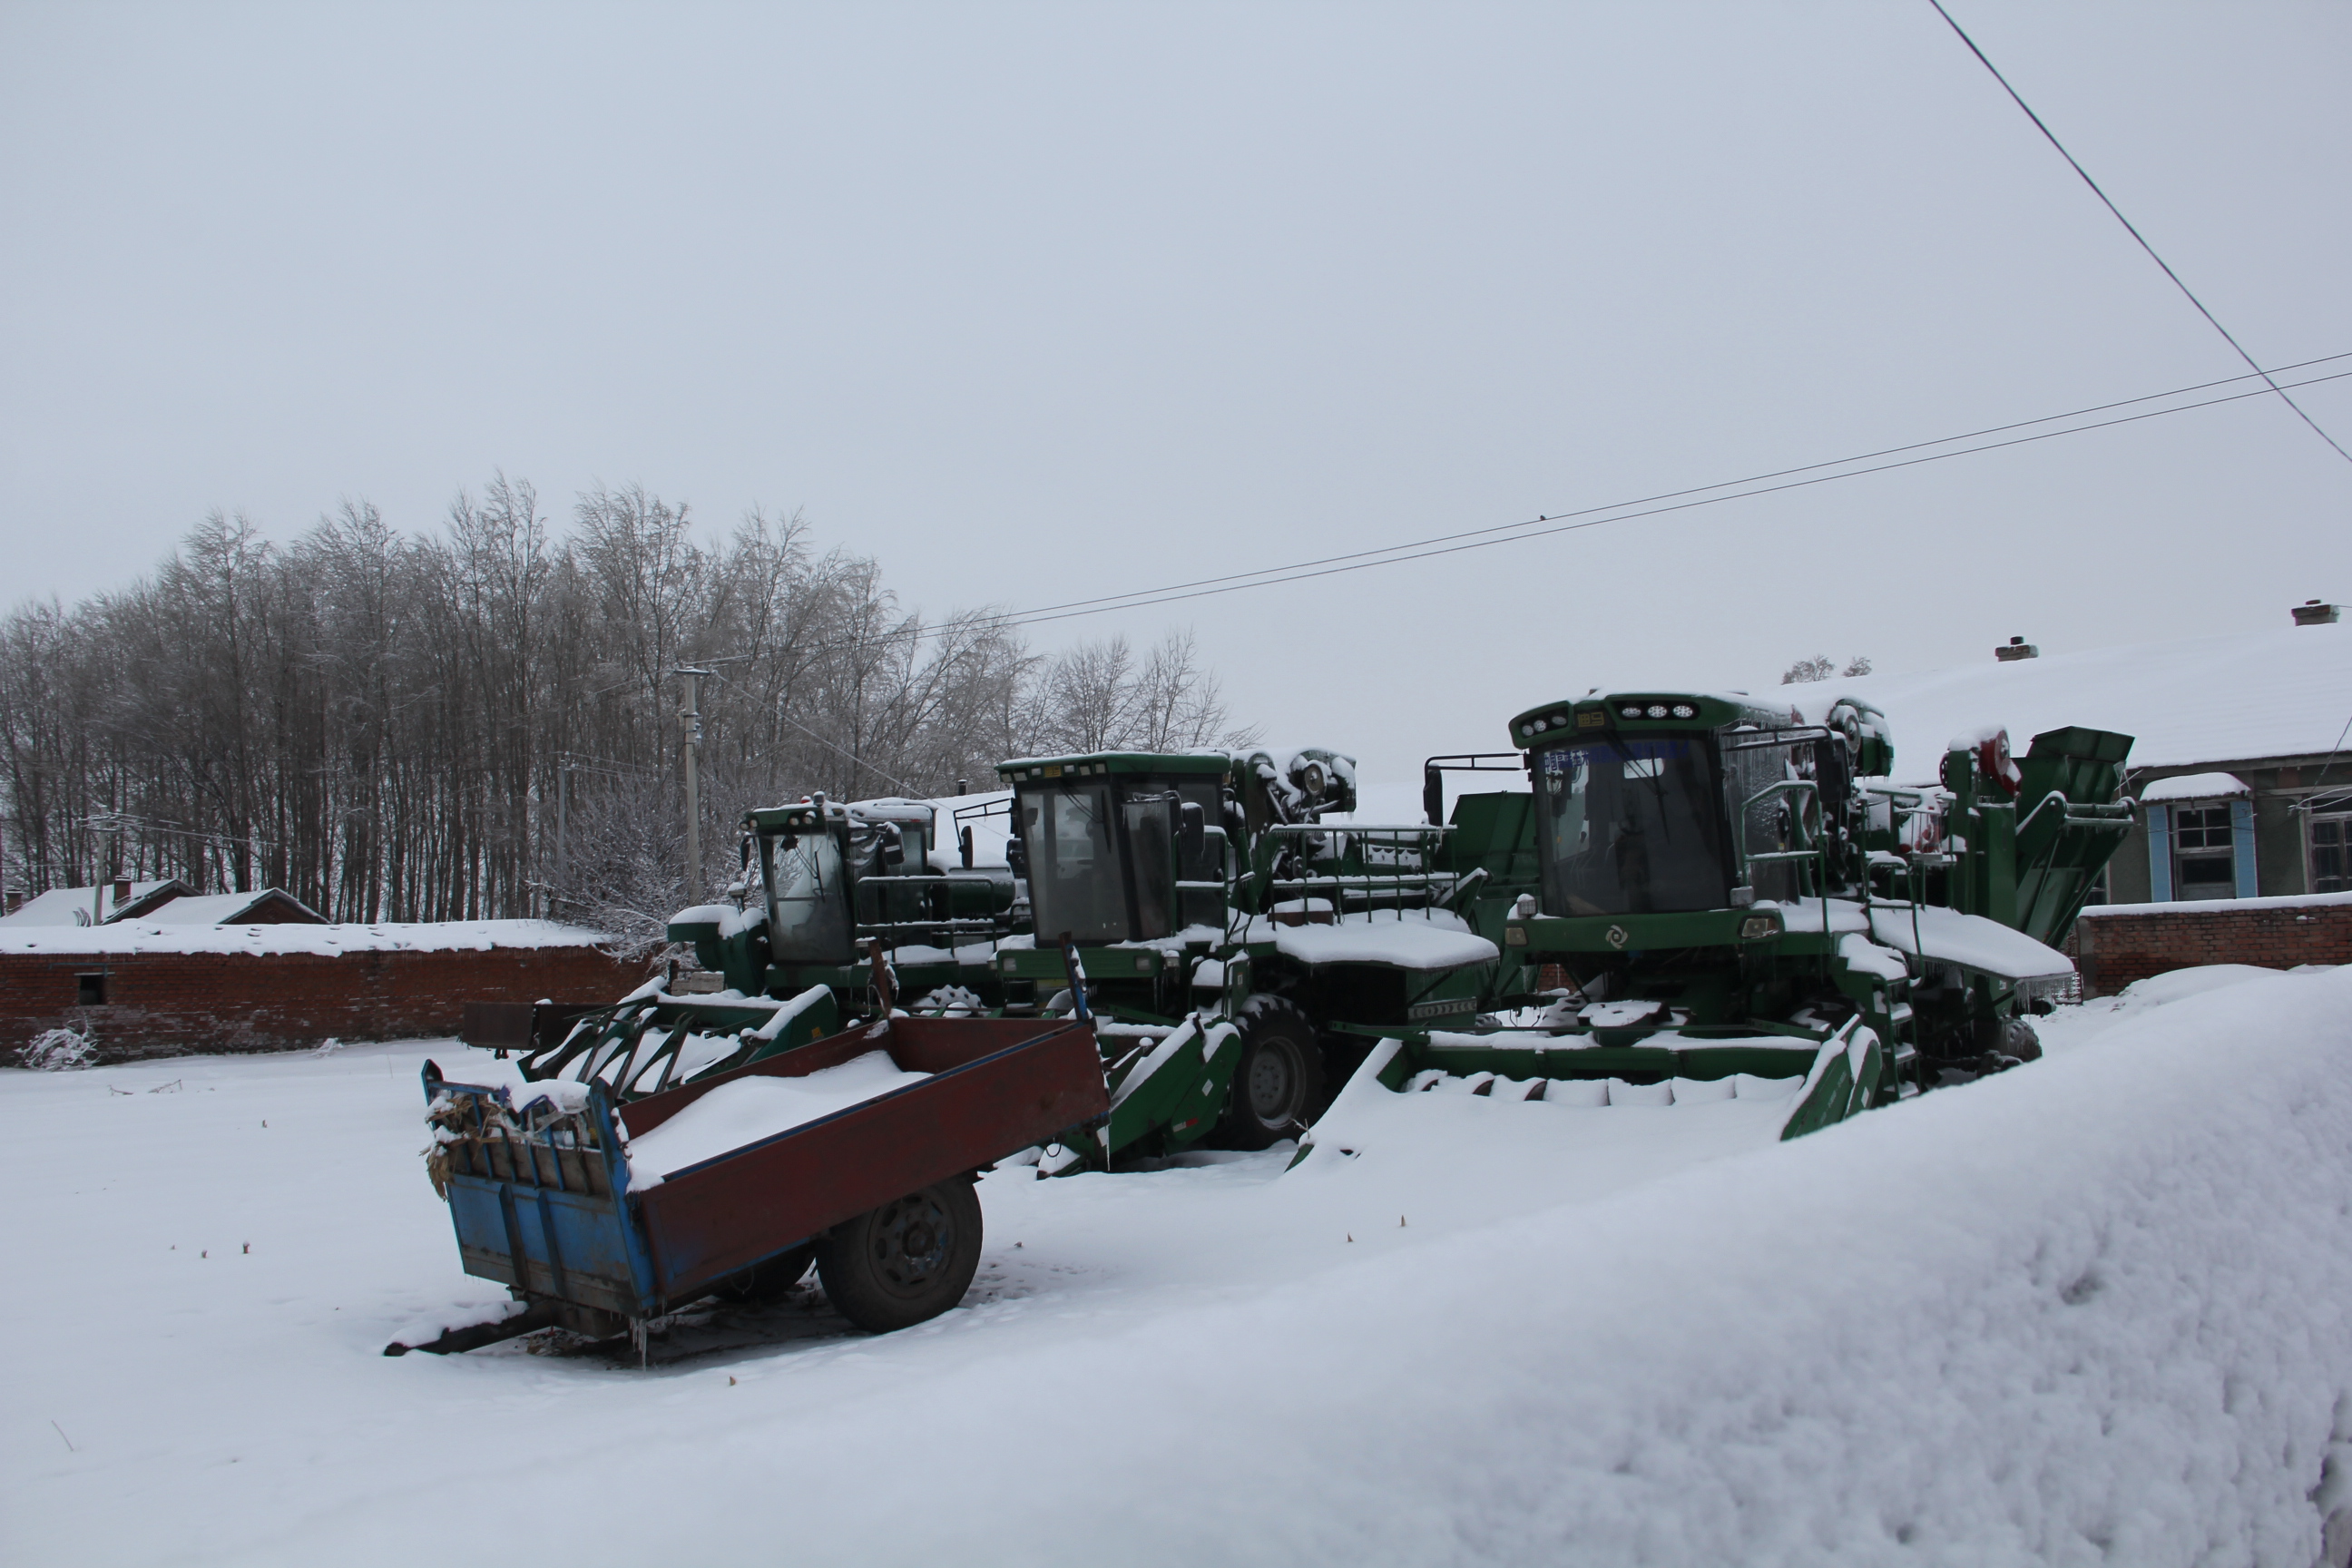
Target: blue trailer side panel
{"points": [[573, 1247]]}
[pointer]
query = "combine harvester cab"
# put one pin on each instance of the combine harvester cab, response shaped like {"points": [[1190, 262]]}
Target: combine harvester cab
{"points": [[1722, 901], [858, 1151], [1228, 931], [838, 880], [824, 887]]}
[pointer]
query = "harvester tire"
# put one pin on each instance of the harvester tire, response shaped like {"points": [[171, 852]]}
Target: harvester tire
{"points": [[911, 1260], [1280, 1079]]}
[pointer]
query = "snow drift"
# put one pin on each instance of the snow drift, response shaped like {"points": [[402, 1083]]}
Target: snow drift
{"points": [[2091, 1310]]}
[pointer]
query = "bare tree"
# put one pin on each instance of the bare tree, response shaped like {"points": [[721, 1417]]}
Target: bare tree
{"points": [[1182, 703], [1094, 699], [483, 722], [1821, 666]]}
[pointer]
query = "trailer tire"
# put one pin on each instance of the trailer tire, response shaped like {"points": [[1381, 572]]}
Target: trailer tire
{"points": [[909, 1260], [1280, 1077]]}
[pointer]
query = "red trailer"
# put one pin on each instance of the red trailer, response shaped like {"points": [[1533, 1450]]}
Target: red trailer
{"points": [[552, 1193]]}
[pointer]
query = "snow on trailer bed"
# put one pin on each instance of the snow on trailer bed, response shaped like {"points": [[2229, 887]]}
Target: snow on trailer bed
{"points": [[2087, 1310], [747, 1109]]}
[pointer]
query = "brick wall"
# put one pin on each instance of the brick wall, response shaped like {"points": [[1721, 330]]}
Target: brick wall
{"points": [[2113, 950], [161, 1005]]}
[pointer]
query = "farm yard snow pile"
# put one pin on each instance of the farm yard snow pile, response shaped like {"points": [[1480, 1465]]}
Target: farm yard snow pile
{"points": [[2090, 1310]]}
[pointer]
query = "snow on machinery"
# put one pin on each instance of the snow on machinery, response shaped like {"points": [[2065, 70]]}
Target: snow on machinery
{"points": [[1227, 932], [833, 883], [1720, 894]]}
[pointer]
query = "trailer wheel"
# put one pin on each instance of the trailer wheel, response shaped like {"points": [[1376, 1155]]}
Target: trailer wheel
{"points": [[911, 1260], [1280, 1075]]}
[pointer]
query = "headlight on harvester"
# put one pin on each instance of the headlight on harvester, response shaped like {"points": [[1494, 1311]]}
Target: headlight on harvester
{"points": [[1760, 928]]}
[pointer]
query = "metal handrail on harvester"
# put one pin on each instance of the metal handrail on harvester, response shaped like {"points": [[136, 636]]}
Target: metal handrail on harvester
{"points": [[894, 932], [1819, 853], [2113, 811], [1774, 856], [1398, 883]]}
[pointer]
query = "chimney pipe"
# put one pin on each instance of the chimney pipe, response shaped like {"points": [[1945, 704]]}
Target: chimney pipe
{"points": [[2314, 613], [2018, 649]]}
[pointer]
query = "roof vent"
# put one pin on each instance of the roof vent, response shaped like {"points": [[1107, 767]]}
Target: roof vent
{"points": [[2312, 613], [2018, 649]]}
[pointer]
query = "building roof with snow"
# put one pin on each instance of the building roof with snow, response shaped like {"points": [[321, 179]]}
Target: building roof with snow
{"points": [[268, 906], [2194, 703], [73, 906]]}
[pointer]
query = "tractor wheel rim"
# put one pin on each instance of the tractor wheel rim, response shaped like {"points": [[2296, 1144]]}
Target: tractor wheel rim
{"points": [[1272, 1085]]}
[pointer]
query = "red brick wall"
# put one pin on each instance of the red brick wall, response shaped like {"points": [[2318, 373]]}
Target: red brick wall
{"points": [[161, 1005], [2112, 950]]}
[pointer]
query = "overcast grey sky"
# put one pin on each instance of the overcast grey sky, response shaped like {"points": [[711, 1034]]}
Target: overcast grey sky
{"points": [[1036, 304]]}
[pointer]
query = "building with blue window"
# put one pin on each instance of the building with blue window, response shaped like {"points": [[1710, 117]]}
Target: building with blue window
{"points": [[2241, 754]]}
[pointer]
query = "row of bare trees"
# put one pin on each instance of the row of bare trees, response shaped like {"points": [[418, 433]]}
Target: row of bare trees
{"points": [[487, 722]]}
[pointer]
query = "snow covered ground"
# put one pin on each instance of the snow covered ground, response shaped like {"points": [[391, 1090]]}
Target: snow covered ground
{"points": [[2093, 1311]]}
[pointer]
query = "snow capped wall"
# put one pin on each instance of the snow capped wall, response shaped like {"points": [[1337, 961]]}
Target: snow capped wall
{"points": [[139, 991], [160, 936], [2115, 945]]}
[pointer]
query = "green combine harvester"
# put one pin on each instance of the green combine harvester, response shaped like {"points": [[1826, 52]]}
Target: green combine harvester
{"points": [[1227, 934], [1719, 894], [1699, 890], [797, 953], [1230, 939], [1705, 907]]}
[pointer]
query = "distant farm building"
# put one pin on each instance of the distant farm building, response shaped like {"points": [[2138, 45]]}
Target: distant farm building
{"points": [[2239, 762], [96, 906], [159, 987]]}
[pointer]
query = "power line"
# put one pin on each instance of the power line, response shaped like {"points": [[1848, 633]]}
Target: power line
{"points": [[2135, 233], [1245, 579], [1418, 554], [854, 758], [1547, 524], [1393, 555]]}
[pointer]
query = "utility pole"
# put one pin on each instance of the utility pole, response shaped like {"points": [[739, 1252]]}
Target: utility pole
{"points": [[692, 715], [562, 828]]}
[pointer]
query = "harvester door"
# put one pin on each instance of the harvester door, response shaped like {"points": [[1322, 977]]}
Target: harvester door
{"points": [[1200, 859], [1075, 881], [1150, 822], [808, 899]]}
